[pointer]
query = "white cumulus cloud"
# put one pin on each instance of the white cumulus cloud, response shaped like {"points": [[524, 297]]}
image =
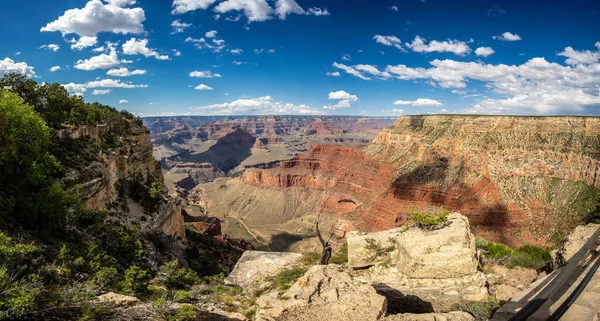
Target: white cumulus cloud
{"points": [[135, 47], [256, 106], [84, 42], [183, 6], [420, 102], [98, 17], [75, 89], [350, 70], [575, 57], [125, 72], [334, 74], [203, 87], [53, 47], [55, 68], [123, 101], [102, 61], [112, 83], [345, 99], [388, 41], [457, 47], [255, 10], [9, 66], [484, 51], [507, 36], [179, 27], [211, 34], [101, 91], [204, 74]]}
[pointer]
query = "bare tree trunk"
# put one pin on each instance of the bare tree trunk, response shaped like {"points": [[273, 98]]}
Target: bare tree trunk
{"points": [[326, 254]]}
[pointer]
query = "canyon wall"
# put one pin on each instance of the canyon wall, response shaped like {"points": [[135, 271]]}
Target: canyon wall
{"points": [[518, 179]]}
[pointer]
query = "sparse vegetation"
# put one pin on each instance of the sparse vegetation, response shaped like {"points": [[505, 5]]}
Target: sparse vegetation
{"points": [[481, 311], [431, 218], [341, 256], [310, 258], [376, 250], [528, 256], [287, 277], [174, 277]]}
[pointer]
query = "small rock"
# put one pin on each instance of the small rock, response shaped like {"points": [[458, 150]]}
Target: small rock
{"points": [[118, 299], [503, 293]]}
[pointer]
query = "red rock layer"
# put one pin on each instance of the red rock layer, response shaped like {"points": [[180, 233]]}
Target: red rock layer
{"points": [[510, 175]]}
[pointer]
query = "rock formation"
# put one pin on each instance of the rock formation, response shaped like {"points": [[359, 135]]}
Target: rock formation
{"points": [[435, 268], [532, 178]]}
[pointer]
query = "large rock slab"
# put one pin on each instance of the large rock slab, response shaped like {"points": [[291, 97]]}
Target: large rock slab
{"points": [[118, 299], [325, 292], [575, 242], [420, 270], [255, 268]]}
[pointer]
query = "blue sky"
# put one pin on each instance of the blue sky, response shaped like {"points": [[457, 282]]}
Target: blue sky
{"points": [[392, 57]]}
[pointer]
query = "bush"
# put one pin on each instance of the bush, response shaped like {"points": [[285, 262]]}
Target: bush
{"points": [[341, 256], [481, 311], [530, 256], [136, 281], [287, 277], [310, 258], [172, 276], [431, 218], [498, 251]]}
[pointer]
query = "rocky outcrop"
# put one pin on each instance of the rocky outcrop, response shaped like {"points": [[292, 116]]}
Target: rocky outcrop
{"points": [[325, 292], [575, 242], [528, 177], [420, 270], [254, 269], [118, 299]]}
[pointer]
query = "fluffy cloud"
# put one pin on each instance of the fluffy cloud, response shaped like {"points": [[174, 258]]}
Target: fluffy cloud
{"points": [[84, 42], [176, 53], [286, 7], [123, 101], [395, 111], [9, 66], [236, 51], [211, 34], [256, 106], [394, 8], [350, 70], [421, 102], [203, 87], [98, 17], [51, 46], [204, 74], [484, 51], [101, 91], [135, 47], [183, 6], [345, 99], [575, 57], [334, 74], [388, 41], [102, 61], [112, 83], [121, 3], [507, 36], [318, 12], [255, 10], [75, 89], [55, 68], [179, 26], [346, 57], [124, 72], [454, 46]]}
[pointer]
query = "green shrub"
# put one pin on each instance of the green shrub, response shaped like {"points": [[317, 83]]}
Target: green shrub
{"points": [[310, 258], [529, 256], [481, 243], [172, 276], [481, 311], [287, 277], [376, 250], [341, 256], [136, 281], [431, 218], [498, 251]]}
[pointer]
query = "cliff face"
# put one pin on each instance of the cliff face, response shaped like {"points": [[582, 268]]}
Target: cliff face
{"points": [[518, 179], [99, 180]]}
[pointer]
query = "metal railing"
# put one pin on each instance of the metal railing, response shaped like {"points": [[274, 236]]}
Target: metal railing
{"points": [[565, 273]]}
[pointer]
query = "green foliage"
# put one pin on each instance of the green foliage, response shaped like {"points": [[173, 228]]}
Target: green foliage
{"points": [[341, 256], [146, 191], [310, 258], [481, 243], [594, 215], [30, 195], [376, 250], [287, 277], [498, 251], [481, 311], [530, 256], [172, 276], [431, 218], [136, 281]]}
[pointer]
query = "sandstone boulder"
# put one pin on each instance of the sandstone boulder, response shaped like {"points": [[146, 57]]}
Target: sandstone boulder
{"points": [[118, 299], [517, 277], [420, 270], [575, 241], [325, 292], [451, 316], [255, 268]]}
